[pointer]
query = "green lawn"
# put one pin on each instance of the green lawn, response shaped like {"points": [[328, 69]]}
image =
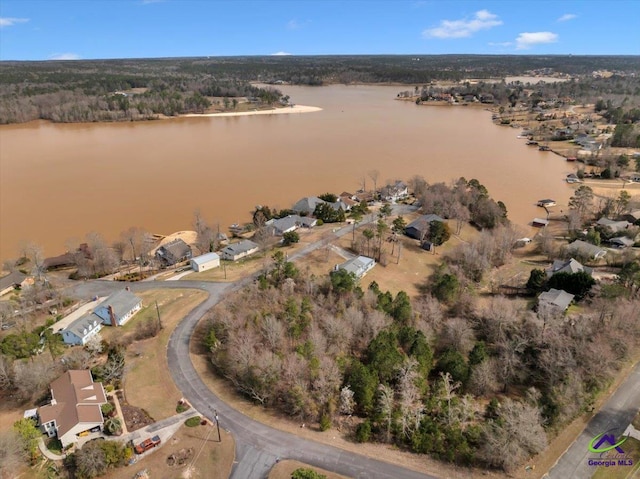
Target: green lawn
{"points": [[632, 449]]}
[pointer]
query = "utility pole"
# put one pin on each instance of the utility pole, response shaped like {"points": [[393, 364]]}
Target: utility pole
{"points": [[224, 267], [217, 425], [159, 320]]}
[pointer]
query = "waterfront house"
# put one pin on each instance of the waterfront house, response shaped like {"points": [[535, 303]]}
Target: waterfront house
{"points": [[236, 251], [307, 205], [570, 266], [75, 407], [204, 262], [555, 299], [12, 281], [118, 308], [359, 266], [419, 228], [80, 331], [546, 203], [586, 250], [174, 252], [398, 191]]}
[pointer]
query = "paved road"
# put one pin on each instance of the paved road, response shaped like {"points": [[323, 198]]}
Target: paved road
{"points": [[257, 446], [615, 415]]}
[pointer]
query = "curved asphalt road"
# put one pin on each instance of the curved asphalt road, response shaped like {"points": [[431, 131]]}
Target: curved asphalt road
{"points": [[258, 447]]}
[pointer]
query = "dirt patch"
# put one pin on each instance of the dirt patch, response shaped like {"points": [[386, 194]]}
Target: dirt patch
{"points": [[134, 417], [191, 453], [284, 469], [180, 458]]}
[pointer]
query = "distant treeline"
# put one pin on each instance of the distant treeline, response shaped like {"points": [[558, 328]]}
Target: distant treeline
{"points": [[84, 90]]}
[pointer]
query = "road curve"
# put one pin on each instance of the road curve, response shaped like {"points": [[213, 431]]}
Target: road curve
{"points": [[257, 445]]}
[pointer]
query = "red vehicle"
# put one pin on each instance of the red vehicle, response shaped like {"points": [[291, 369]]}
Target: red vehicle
{"points": [[147, 444]]}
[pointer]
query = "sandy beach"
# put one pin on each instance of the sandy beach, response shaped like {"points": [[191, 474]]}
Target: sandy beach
{"points": [[275, 111]]}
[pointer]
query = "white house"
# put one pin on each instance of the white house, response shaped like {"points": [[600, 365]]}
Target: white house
{"points": [[74, 408], [359, 266], [236, 251], [82, 329], [205, 262], [118, 308]]}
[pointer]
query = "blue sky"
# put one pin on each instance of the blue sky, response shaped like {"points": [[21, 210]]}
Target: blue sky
{"points": [[87, 29]]}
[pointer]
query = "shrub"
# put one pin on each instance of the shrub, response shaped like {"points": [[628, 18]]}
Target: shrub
{"points": [[363, 431], [290, 237], [182, 407], [306, 473], [107, 409], [325, 422], [193, 421]]}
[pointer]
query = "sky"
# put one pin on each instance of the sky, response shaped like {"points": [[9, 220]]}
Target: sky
{"points": [[92, 29]]}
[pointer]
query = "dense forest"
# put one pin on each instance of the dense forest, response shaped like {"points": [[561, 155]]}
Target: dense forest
{"points": [[83, 90], [467, 377]]}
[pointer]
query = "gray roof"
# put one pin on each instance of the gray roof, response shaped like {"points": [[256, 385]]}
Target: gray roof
{"points": [[307, 204], [205, 258], [82, 326], [586, 249], [358, 265], [423, 222], [556, 297], [622, 241], [12, 279], [241, 247], [122, 302], [178, 248], [571, 266], [286, 223], [614, 225]]}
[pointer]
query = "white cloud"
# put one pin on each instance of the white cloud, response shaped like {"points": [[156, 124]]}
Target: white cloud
{"points": [[566, 17], [500, 44], [148, 2], [9, 21], [528, 39], [294, 25], [481, 20], [64, 56], [280, 54]]}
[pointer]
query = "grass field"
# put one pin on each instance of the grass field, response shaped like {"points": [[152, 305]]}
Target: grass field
{"points": [[147, 383], [201, 457]]}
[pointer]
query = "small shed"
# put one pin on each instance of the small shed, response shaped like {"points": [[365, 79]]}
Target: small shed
{"points": [[205, 262]]}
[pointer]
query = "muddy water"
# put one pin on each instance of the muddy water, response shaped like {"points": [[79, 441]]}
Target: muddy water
{"points": [[62, 181]]}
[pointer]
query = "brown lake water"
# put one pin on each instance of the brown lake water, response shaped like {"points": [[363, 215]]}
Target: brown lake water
{"points": [[62, 181]]}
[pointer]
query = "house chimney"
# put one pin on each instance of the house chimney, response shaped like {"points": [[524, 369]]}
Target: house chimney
{"points": [[112, 315]]}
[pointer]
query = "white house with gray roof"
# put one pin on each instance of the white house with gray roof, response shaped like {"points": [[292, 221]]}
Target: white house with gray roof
{"points": [[359, 266], [80, 331], [205, 262], [236, 251], [583, 249], [571, 266], [613, 225], [555, 298], [118, 308], [307, 205]]}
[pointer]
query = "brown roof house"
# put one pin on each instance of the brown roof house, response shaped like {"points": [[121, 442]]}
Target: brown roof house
{"points": [[74, 408]]}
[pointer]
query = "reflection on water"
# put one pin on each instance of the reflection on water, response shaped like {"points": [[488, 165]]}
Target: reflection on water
{"points": [[62, 181]]}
